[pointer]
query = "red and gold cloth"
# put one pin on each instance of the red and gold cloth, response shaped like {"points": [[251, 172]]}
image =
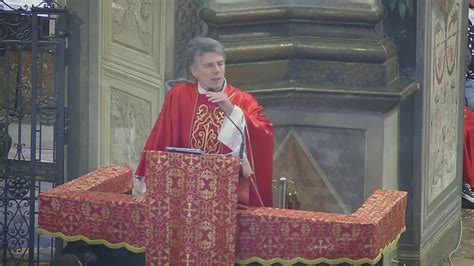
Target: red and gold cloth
{"points": [[113, 179], [207, 123], [92, 208], [191, 208], [87, 209], [468, 147], [269, 235], [174, 127]]}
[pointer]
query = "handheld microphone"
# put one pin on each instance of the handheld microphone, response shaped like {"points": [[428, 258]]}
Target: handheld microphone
{"points": [[241, 149]]}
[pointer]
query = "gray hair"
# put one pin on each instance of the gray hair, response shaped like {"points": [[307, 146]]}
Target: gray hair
{"points": [[199, 45]]}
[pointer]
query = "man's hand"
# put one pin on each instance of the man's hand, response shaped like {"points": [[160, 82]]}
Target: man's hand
{"points": [[247, 176], [221, 99]]}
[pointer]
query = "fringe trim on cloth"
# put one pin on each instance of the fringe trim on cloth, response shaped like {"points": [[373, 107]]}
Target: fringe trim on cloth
{"points": [[289, 262], [92, 241]]}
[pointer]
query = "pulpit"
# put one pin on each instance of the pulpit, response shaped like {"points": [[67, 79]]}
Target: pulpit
{"points": [[191, 209], [190, 217]]}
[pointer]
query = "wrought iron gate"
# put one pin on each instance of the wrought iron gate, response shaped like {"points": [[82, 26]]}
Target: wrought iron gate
{"points": [[32, 124]]}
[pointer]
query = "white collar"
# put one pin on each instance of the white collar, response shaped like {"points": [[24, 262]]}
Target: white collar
{"points": [[201, 90]]}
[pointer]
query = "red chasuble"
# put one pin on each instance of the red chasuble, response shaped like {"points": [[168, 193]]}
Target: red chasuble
{"points": [[468, 147], [187, 119]]}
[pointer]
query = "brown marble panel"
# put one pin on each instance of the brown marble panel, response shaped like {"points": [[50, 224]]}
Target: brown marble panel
{"points": [[298, 165]]}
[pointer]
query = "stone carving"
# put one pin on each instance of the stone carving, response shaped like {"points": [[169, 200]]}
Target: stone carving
{"points": [[130, 125], [188, 25], [403, 7], [132, 16], [444, 96]]}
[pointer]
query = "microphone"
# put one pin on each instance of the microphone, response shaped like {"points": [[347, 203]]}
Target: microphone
{"points": [[241, 149]]}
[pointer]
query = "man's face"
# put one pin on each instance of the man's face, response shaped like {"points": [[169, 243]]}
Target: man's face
{"points": [[209, 70]]}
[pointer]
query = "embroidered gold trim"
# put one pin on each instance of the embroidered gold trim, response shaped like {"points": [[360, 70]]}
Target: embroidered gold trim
{"points": [[206, 127]]}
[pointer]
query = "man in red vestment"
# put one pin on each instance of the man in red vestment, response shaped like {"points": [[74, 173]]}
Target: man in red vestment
{"points": [[468, 140], [212, 115]]}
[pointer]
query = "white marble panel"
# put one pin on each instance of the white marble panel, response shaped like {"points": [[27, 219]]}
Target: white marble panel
{"points": [[442, 111], [129, 109], [133, 31]]}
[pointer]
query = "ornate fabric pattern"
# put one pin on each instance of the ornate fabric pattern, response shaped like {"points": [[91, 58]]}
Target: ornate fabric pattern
{"points": [[106, 179], [190, 216], [93, 209], [115, 220], [468, 146], [207, 123], [269, 235], [191, 209]]}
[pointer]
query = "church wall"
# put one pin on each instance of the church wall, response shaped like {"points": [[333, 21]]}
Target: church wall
{"points": [[118, 73], [340, 137], [82, 87], [336, 159], [437, 136], [131, 76]]}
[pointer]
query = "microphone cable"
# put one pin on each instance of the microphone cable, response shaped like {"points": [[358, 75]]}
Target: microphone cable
{"points": [[241, 156], [242, 148]]}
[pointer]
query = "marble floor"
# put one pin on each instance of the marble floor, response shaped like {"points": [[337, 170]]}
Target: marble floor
{"points": [[464, 256]]}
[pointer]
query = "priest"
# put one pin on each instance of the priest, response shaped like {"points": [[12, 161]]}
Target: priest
{"points": [[213, 116]]}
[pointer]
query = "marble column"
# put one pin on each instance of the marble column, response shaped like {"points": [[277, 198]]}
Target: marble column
{"points": [[433, 146], [363, 94], [330, 84]]}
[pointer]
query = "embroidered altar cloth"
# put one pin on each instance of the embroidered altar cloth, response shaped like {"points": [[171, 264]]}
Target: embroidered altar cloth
{"points": [[191, 209], [190, 212], [269, 235]]}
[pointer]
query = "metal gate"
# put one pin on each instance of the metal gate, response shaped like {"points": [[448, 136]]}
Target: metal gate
{"points": [[32, 124]]}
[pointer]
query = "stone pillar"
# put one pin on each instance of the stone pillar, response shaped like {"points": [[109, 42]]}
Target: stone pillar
{"points": [[352, 110], [330, 84], [117, 61], [82, 87], [433, 172]]}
